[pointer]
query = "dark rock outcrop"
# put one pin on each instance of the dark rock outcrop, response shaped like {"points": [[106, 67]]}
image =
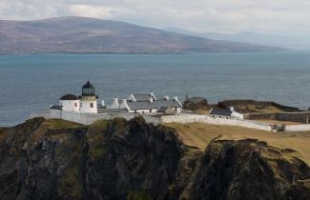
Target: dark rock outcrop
{"points": [[118, 159], [248, 169], [249, 106]]}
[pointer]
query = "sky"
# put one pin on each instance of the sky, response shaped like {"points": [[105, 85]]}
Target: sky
{"points": [[278, 17]]}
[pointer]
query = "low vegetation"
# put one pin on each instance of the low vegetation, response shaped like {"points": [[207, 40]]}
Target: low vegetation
{"points": [[200, 135], [96, 139], [61, 124]]}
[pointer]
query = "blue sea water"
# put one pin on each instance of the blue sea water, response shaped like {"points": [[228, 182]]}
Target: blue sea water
{"points": [[31, 83]]}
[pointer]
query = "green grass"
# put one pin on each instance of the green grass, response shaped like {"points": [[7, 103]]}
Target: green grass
{"points": [[96, 139], [62, 124], [141, 195], [71, 187]]}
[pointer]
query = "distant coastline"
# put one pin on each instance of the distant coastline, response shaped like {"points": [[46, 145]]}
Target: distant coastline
{"points": [[87, 35]]}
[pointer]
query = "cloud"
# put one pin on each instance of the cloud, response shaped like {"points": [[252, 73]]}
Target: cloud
{"points": [[228, 16], [91, 11]]}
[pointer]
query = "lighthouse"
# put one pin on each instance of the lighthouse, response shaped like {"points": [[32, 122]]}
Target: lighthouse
{"points": [[88, 99]]}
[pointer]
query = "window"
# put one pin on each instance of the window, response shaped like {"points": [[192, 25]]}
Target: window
{"points": [[75, 104], [91, 105]]}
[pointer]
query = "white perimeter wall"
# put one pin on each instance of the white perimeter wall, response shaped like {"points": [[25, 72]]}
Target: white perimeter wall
{"points": [[237, 115], [82, 118], [88, 118], [192, 118], [297, 128]]}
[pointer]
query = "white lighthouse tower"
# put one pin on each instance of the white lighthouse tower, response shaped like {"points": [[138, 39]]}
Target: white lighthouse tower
{"points": [[88, 99]]}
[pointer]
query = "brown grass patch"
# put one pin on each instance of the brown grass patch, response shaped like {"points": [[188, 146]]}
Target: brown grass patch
{"points": [[199, 135], [278, 122]]}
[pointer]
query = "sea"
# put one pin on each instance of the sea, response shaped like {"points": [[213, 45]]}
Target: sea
{"points": [[29, 84]]}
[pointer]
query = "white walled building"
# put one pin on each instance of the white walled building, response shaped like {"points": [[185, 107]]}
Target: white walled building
{"points": [[70, 102], [73, 108], [226, 114], [86, 103], [147, 104]]}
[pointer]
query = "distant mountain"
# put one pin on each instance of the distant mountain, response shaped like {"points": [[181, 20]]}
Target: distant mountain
{"points": [[88, 35], [289, 42]]}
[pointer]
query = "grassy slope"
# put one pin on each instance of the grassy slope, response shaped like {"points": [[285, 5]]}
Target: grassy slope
{"points": [[199, 135]]}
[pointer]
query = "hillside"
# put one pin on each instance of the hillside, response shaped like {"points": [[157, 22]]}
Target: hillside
{"points": [[88, 35], [133, 160], [288, 42]]}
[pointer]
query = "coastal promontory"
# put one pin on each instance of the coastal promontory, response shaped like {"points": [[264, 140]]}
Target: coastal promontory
{"points": [[119, 159]]}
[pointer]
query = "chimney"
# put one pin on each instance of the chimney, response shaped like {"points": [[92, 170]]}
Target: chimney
{"points": [[153, 96], [177, 100], [124, 104], [151, 99], [166, 97], [232, 109], [102, 102], [115, 104], [115, 101]]}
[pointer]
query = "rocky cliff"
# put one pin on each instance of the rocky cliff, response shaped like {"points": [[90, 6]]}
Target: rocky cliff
{"points": [[118, 159]]}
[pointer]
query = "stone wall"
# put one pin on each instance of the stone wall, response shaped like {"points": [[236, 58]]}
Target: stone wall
{"points": [[258, 116], [301, 117], [241, 105]]}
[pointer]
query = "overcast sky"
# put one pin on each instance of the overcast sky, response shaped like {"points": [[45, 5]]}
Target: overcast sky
{"points": [[291, 17]]}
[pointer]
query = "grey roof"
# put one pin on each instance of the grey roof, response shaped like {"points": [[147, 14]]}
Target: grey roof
{"points": [[142, 97], [222, 112], [88, 89], [56, 107], [161, 99], [162, 109], [145, 105], [69, 97], [88, 85], [195, 99]]}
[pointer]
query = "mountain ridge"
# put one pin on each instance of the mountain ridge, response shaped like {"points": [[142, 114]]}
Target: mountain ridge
{"points": [[287, 42], [89, 35]]}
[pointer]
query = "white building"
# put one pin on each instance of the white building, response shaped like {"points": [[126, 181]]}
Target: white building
{"points": [[70, 102], [86, 103], [226, 114], [147, 104], [71, 106]]}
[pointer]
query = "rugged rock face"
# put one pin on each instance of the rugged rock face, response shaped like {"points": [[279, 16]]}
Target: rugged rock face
{"points": [[108, 160], [249, 106], [118, 159], [249, 169]]}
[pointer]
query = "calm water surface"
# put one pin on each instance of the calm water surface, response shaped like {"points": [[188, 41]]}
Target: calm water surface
{"points": [[30, 83]]}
